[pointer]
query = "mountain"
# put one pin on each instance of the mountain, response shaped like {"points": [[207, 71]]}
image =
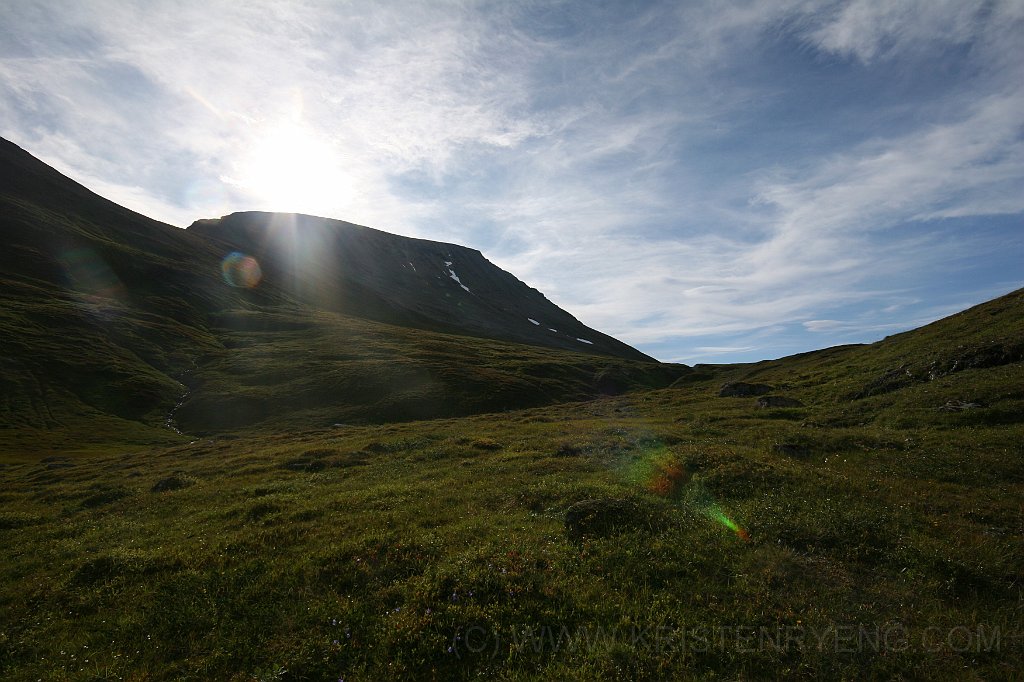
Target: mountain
{"points": [[115, 323], [338, 266]]}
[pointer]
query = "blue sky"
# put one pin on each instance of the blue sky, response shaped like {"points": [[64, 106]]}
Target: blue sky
{"points": [[707, 181]]}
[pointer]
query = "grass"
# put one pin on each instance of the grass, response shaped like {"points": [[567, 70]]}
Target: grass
{"points": [[439, 549], [292, 369], [660, 533]]}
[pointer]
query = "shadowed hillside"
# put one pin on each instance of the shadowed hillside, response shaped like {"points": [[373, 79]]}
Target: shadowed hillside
{"points": [[120, 327], [360, 271]]}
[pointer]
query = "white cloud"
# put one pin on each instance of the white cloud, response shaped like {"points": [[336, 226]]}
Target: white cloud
{"points": [[573, 145], [854, 326], [721, 350], [392, 88], [867, 29], [965, 167]]}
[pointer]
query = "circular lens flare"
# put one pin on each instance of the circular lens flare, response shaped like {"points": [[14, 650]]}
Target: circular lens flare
{"points": [[240, 270]]}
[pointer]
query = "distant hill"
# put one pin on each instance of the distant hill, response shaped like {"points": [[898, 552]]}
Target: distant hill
{"points": [[968, 360]]}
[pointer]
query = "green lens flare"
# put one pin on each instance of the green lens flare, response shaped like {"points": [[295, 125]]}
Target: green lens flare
{"points": [[718, 515], [661, 473]]}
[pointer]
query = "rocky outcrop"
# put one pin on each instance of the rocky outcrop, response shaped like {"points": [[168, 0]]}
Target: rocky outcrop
{"points": [[740, 389], [959, 406], [963, 357], [768, 401]]}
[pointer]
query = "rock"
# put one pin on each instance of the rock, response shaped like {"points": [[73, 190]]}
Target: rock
{"points": [[767, 401], [606, 516], [959, 406], [991, 354], [173, 482], [739, 389], [792, 450], [892, 380]]}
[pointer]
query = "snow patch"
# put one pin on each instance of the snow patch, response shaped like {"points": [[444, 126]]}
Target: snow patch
{"points": [[584, 341], [451, 273], [533, 321]]}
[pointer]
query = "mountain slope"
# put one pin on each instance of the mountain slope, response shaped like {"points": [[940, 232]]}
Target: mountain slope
{"points": [[357, 270], [974, 358], [100, 309]]}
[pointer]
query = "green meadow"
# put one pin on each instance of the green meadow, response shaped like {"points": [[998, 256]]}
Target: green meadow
{"points": [[874, 531]]}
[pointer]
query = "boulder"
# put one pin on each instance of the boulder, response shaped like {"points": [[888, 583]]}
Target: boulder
{"points": [[740, 389], [764, 402], [607, 516], [959, 406]]}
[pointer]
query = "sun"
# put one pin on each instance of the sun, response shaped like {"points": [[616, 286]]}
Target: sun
{"points": [[290, 168]]}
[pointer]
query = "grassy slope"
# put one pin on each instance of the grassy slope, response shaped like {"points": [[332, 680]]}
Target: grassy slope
{"points": [[903, 378], [290, 369], [84, 371], [366, 552], [101, 310]]}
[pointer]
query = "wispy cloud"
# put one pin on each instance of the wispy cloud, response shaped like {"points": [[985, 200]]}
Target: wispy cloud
{"points": [[965, 167], [826, 226], [875, 30]]}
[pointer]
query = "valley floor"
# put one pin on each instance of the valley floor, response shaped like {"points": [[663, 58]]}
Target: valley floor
{"points": [[659, 535]]}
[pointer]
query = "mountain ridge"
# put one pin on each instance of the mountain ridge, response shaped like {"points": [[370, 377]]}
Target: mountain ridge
{"points": [[441, 286]]}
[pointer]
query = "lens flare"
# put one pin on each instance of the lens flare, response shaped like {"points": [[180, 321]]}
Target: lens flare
{"points": [[661, 473], [715, 514], [240, 270]]}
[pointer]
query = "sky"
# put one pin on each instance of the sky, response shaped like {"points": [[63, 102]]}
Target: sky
{"points": [[708, 181]]}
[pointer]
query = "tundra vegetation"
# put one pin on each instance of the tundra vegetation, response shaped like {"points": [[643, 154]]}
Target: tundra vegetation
{"points": [[202, 480]]}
